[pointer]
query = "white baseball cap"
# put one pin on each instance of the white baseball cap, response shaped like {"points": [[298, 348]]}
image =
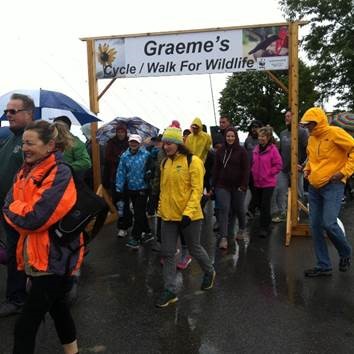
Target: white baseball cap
{"points": [[135, 137]]}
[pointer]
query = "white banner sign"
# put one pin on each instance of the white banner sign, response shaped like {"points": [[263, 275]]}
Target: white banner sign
{"points": [[193, 53]]}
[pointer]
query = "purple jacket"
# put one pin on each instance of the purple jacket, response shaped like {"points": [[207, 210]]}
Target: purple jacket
{"points": [[265, 166]]}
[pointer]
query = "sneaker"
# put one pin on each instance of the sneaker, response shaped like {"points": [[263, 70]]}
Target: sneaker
{"points": [[223, 243], [184, 263], [122, 233], [133, 243], [279, 218], [147, 237], [263, 233], [156, 247], [241, 235], [344, 264], [162, 259], [317, 272], [216, 226], [208, 280], [166, 298], [250, 214], [8, 309]]}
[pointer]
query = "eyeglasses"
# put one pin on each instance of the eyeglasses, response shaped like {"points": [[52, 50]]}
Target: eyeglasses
{"points": [[13, 111]]}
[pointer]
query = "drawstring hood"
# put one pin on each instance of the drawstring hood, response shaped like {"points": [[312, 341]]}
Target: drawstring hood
{"points": [[318, 116]]}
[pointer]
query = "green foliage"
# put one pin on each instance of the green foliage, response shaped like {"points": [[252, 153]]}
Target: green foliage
{"points": [[253, 95], [329, 44]]}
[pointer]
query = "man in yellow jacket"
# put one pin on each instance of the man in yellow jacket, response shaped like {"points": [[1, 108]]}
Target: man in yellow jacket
{"points": [[330, 162], [199, 142]]}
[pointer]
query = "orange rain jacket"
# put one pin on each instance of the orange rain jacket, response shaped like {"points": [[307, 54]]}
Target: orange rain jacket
{"points": [[32, 209]]}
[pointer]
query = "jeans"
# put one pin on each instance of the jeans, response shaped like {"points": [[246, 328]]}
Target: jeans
{"points": [[279, 201], [325, 204], [231, 205], [170, 231], [16, 280]]}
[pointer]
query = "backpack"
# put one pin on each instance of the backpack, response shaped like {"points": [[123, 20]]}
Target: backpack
{"points": [[88, 206], [189, 160]]}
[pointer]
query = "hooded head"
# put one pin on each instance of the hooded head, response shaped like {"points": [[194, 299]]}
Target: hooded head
{"points": [[318, 116], [196, 126]]}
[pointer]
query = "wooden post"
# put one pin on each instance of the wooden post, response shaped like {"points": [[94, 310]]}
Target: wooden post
{"points": [[94, 107]]}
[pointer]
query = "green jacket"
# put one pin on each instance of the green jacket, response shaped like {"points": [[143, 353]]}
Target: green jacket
{"points": [[11, 158], [77, 157]]}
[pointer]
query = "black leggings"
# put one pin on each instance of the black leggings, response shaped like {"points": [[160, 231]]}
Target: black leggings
{"points": [[46, 295]]}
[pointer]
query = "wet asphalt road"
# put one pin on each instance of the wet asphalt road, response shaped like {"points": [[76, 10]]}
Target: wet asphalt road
{"points": [[261, 302]]}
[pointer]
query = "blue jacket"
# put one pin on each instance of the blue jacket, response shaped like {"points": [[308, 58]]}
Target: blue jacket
{"points": [[131, 170]]}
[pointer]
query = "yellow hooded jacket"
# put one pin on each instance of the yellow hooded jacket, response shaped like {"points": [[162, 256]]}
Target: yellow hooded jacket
{"points": [[199, 144], [330, 150], [181, 188]]}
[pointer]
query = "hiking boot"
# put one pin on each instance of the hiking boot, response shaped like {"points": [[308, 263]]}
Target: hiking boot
{"points": [[122, 233], [223, 243], [133, 243], [166, 298], [344, 264], [317, 272], [184, 263], [9, 309], [208, 280], [147, 237]]}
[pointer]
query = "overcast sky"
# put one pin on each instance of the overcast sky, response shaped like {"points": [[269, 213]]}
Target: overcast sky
{"points": [[41, 48]]}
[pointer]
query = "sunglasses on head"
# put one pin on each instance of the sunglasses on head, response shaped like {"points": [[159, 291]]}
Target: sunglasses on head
{"points": [[13, 111]]}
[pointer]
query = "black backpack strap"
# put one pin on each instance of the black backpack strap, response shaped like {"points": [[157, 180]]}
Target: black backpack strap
{"points": [[189, 160]]}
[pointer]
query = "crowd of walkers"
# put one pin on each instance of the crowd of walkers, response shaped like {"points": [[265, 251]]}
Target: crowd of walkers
{"points": [[188, 182]]}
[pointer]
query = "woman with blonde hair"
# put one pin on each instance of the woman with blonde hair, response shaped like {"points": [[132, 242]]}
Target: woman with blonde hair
{"points": [[266, 165], [42, 194]]}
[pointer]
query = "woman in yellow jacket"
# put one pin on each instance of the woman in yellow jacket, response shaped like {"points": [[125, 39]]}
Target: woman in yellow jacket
{"points": [[181, 188], [43, 192]]}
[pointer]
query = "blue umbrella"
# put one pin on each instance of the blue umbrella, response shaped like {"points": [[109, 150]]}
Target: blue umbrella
{"points": [[135, 125], [51, 104]]}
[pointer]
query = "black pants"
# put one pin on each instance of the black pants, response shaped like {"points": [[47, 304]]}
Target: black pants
{"points": [[263, 198], [16, 280], [46, 295], [254, 203], [140, 224]]}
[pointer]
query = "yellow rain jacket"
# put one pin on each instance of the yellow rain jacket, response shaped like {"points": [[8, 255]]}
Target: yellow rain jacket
{"points": [[181, 188], [199, 144], [330, 150]]}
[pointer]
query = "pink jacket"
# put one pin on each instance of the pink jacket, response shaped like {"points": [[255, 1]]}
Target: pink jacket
{"points": [[265, 166]]}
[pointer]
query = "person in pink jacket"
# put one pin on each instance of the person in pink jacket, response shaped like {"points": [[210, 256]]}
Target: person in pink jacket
{"points": [[266, 165]]}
